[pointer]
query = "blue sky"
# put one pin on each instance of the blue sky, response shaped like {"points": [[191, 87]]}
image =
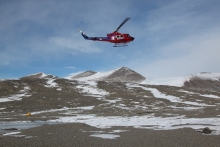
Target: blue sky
{"points": [[172, 37]]}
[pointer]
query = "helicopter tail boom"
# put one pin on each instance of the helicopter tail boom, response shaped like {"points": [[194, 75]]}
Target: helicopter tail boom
{"points": [[83, 34]]}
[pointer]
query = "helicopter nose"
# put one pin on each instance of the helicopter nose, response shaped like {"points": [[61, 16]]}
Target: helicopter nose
{"points": [[132, 38]]}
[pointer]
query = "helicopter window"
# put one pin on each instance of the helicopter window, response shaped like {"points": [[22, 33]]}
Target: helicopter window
{"points": [[121, 35], [128, 35], [118, 36]]}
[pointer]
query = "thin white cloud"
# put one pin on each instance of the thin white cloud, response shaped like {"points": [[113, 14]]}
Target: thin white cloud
{"points": [[121, 56], [70, 67], [79, 45]]}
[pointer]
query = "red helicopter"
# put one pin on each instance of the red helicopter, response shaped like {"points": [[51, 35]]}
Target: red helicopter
{"points": [[117, 38]]}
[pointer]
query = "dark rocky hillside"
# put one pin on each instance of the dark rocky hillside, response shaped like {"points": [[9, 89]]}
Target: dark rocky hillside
{"points": [[125, 74], [198, 83], [18, 97]]}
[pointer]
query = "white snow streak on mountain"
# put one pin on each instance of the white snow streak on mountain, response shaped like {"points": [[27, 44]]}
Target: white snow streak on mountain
{"points": [[51, 83], [17, 97], [97, 76], [171, 98], [175, 81], [205, 95], [90, 87]]}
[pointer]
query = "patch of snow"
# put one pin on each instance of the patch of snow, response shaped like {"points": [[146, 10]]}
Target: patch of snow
{"points": [[98, 75], [85, 108], [186, 108], [105, 136], [11, 133], [118, 131], [90, 87], [63, 109], [51, 83], [42, 75], [204, 95], [156, 123], [209, 75], [26, 88], [16, 97], [179, 81], [91, 90], [158, 94], [175, 81], [210, 96], [91, 83], [71, 75]]}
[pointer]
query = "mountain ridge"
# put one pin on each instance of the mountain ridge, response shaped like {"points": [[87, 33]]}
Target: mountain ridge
{"points": [[202, 81], [122, 74], [39, 75]]}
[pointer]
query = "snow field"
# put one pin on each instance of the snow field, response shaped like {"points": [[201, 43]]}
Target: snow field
{"points": [[148, 122]]}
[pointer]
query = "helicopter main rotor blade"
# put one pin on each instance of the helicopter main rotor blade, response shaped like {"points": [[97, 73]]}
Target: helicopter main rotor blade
{"points": [[122, 24]]}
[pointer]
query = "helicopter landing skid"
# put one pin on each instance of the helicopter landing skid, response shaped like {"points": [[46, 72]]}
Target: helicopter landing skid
{"points": [[120, 45]]}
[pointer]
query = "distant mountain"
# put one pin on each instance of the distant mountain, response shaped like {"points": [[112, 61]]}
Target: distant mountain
{"points": [[204, 81], [123, 74], [38, 76], [83, 75]]}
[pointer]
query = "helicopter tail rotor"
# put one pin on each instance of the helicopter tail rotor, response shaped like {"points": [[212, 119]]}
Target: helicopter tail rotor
{"points": [[80, 30]]}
